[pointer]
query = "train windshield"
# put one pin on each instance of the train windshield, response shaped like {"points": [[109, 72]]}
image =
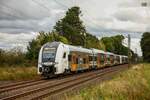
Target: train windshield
{"points": [[49, 54]]}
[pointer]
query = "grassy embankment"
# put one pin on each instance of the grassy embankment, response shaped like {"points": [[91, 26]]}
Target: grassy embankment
{"points": [[17, 73], [133, 84], [15, 66]]}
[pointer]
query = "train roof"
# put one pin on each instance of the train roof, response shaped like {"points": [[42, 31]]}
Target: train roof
{"points": [[79, 49], [52, 44], [98, 51], [109, 53], [71, 48], [124, 56]]}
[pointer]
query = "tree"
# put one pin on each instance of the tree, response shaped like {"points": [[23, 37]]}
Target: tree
{"points": [[72, 27], [93, 42], [114, 44], [109, 43], [145, 46]]}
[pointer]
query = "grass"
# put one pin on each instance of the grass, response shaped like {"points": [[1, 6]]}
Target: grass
{"points": [[17, 73], [133, 84]]}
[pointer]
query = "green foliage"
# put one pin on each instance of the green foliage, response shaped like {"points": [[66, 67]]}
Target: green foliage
{"points": [[35, 45], [17, 73], [114, 44], [145, 46], [12, 57], [71, 27], [93, 42]]}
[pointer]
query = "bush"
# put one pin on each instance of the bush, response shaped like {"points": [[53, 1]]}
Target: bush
{"points": [[14, 57], [18, 73]]}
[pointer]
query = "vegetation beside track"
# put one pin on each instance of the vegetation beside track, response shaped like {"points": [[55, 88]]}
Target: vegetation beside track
{"points": [[17, 73], [133, 84], [15, 66]]}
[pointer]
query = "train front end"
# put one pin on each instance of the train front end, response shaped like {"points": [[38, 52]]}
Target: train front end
{"points": [[46, 61]]}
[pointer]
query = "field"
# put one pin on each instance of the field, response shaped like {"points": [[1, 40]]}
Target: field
{"points": [[133, 84], [17, 73]]}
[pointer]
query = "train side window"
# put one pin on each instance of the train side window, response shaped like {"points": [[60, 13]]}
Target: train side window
{"points": [[64, 56], [77, 61], [108, 57], [69, 57], [102, 58], [95, 58], [84, 60], [90, 58]]}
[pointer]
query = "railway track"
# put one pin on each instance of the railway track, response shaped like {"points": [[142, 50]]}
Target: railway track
{"points": [[17, 83], [21, 85], [43, 88]]}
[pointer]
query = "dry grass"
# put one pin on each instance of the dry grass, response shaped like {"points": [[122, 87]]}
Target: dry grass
{"points": [[17, 73], [133, 84]]}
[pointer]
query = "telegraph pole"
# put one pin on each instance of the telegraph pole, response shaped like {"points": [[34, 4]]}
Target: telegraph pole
{"points": [[129, 53], [136, 56]]}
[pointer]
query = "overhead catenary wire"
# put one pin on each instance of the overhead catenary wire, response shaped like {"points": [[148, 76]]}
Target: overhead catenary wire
{"points": [[13, 9], [49, 10], [11, 13], [63, 5], [41, 5], [84, 17]]}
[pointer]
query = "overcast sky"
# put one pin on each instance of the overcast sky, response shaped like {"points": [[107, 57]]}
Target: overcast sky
{"points": [[21, 20]]}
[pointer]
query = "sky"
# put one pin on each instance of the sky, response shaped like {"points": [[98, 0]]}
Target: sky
{"points": [[21, 20]]}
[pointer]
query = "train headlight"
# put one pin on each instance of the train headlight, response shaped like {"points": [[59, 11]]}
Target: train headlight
{"points": [[40, 69], [48, 63]]}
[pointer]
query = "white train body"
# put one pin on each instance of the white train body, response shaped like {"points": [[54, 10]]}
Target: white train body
{"points": [[58, 58]]}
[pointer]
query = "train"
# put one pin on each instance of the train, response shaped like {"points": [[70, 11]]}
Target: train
{"points": [[58, 58]]}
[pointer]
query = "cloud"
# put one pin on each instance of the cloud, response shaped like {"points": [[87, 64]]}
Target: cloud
{"points": [[8, 41], [19, 26]]}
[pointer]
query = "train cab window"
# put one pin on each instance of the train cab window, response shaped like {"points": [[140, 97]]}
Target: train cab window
{"points": [[64, 56]]}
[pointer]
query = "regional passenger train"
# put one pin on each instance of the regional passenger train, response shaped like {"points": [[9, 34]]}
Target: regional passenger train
{"points": [[58, 58]]}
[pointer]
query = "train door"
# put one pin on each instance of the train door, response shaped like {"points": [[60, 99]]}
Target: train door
{"points": [[65, 61], [95, 61], [112, 59], [83, 62], [80, 64], [74, 63], [102, 59], [98, 61], [91, 62], [108, 60]]}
